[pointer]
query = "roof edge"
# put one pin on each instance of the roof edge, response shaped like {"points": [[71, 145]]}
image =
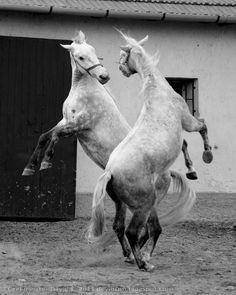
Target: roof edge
{"points": [[105, 13]]}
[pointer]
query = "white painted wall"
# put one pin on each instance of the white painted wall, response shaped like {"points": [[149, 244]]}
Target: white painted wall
{"points": [[191, 50]]}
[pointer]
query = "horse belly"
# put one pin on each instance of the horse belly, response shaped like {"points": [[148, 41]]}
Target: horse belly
{"points": [[96, 151], [132, 182], [99, 145]]}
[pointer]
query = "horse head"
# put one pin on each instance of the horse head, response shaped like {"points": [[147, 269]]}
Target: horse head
{"points": [[129, 54], [84, 58]]}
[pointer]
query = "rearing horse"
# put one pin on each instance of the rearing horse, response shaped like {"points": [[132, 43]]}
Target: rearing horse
{"points": [[137, 173], [89, 112]]}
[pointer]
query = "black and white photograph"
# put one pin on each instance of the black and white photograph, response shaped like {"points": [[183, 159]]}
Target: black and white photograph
{"points": [[117, 127]]}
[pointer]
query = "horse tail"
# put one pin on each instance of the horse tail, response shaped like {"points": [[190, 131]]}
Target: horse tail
{"points": [[96, 226], [185, 201]]}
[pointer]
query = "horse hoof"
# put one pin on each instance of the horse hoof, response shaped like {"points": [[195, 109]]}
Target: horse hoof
{"points": [[207, 156], [28, 172], [149, 267], [192, 175], [130, 259], [45, 165]]}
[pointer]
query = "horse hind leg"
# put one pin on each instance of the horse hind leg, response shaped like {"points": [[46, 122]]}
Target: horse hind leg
{"points": [[192, 124], [154, 231], [153, 227], [151, 235], [119, 227], [135, 228], [191, 174]]}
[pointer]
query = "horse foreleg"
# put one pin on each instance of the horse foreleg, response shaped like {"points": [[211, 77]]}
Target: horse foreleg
{"points": [[34, 159], [192, 124], [61, 130], [46, 162], [191, 174]]}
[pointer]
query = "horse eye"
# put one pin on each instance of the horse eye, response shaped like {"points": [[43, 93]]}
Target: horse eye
{"points": [[81, 58]]}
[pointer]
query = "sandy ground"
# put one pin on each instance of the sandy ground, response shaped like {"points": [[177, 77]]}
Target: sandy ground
{"points": [[197, 256]]}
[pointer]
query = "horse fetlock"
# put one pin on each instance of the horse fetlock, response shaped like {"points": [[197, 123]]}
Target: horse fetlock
{"points": [[147, 267], [146, 256], [45, 165], [28, 172], [130, 259]]}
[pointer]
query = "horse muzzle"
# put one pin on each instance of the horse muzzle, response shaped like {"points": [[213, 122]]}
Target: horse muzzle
{"points": [[103, 79], [124, 70]]}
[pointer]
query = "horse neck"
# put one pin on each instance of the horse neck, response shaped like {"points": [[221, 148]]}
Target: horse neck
{"points": [[153, 80], [76, 77], [79, 79]]}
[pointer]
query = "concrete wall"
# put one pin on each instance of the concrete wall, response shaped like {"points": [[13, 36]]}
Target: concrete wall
{"points": [[190, 50]]}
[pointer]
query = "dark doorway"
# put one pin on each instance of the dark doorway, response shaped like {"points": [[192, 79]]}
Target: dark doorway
{"points": [[34, 81]]}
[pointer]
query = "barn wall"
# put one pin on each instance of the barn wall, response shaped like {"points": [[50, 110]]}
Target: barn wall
{"points": [[191, 50]]}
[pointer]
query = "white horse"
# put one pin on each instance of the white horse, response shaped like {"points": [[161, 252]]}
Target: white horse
{"points": [[89, 112], [137, 173]]}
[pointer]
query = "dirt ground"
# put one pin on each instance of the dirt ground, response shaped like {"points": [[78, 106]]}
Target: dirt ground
{"points": [[196, 256]]}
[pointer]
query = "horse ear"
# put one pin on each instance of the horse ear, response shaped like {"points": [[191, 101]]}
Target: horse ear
{"points": [[80, 38], [144, 40], [125, 48], [67, 47]]}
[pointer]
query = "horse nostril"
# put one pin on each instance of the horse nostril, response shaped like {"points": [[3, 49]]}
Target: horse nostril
{"points": [[103, 77]]}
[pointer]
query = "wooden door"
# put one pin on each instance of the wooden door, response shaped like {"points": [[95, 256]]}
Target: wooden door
{"points": [[34, 81]]}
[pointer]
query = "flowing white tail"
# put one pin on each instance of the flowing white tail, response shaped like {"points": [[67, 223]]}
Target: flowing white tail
{"points": [[185, 202], [97, 222]]}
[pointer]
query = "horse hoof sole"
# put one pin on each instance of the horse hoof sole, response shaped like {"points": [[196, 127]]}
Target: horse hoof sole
{"points": [[207, 156], [192, 175], [28, 172]]}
